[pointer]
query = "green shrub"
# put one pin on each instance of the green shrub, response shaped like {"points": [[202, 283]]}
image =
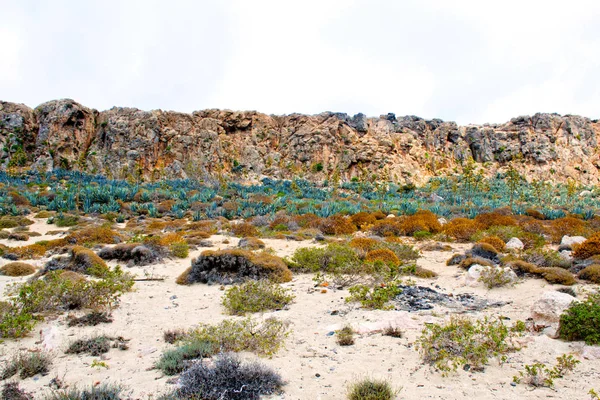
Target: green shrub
{"points": [[539, 375], [557, 276], [345, 336], [175, 361], [64, 220], [17, 269], [376, 297], [463, 341], [581, 321], [27, 365], [371, 389], [591, 273], [263, 338], [493, 277], [105, 391], [256, 296], [97, 345], [180, 249], [14, 322], [546, 258]]}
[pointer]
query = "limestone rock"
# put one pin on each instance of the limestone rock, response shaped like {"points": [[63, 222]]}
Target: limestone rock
{"points": [[515, 244], [550, 306], [571, 240]]}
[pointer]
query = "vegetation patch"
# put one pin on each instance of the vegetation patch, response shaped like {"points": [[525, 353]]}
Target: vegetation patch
{"points": [[91, 319], [97, 345], [105, 391], [581, 321], [27, 364], [175, 361], [256, 296], [17, 269], [540, 375], [371, 389], [345, 336]]}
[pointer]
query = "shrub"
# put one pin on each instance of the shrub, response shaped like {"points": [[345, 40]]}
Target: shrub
{"points": [[180, 249], [175, 361], [17, 269], [463, 341], [27, 365], [484, 250], [86, 261], [470, 261], [393, 331], [174, 335], [494, 241], [522, 268], [337, 225], [251, 243], [461, 229], [424, 273], [105, 391], [371, 389], [493, 277], [589, 248], [384, 255], [244, 229], [581, 321], [403, 252], [387, 227], [263, 338], [558, 276], [546, 258], [535, 214], [363, 245], [233, 266], [228, 379], [97, 345], [93, 235], [8, 221], [376, 297], [591, 273], [11, 391], [566, 226], [345, 336], [539, 375], [421, 221], [91, 319], [135, 253], [18, 236], [256, 296], [487, 220], [31, 251], [363, 220], [64, 220], [14, 322]]}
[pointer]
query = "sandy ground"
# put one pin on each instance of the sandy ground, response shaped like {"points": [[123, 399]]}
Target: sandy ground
{"points": [[312, 364]]}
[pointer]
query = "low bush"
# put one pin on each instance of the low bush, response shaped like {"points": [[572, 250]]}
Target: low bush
{"points": [[256, 296], [581, 321], [421, 221], [590, 273], [175, 361], [393, 331], [384, 255], [244, 229], [522, 268], [345, 336], [133, 253], [337, 225], [485, 250], [540, 375], [86, 261], [462, 341], [363, 220], [566, 226], [558, 276], [470, 261], [174, 335], [17, 269], [93, 235], [263, 338], [424, 273], [12, 391], [105, 391], [91, 319], [8, 221], [251, 243], [235, 266], [64, 220], [493, 277], [19, 236], [180, 249], [587, 249], [546, 258], [371, 389], [27, 365], [364, 245], [461, 229], [494, 241], [97, 345], [377, 297], [227, 378], [487, 220]]}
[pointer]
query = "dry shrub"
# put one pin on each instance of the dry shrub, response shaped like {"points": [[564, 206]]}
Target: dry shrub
{"points": [[20, 236], [280, 220], [337, 225], [363, 219], [197, 235], [251, 243], [591, 273], [170, 238], [589, 248], [29, 252], [535, 214], [532, 225], [206, 226], [379, 215], [494, 241], [363, 245], [156, 225], [385, 255], [308, 220], [387, 227], [86, 261], [422, 220], [17, 269], [486, 220], [421, 272], [233, 266], [484, 250], [523, 267], [165, 206], [244, 229], [558, 276], [470, 261], [566, 226], [94, 235], [461, 229]]}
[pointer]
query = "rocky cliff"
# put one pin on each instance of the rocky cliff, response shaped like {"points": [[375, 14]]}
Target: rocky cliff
{"points": [[127, 142]]}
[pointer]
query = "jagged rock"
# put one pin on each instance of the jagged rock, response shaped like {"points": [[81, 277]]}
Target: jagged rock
{"points": [[567, 242], [435, 198], [120, 141], [550, 306], [515, 244]]}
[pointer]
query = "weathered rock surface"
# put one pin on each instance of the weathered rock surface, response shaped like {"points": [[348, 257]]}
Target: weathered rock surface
{"points": [[127, 142], [550, 306]]}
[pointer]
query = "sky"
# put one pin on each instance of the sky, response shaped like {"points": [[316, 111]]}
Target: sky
{"points": [[458, 60]]}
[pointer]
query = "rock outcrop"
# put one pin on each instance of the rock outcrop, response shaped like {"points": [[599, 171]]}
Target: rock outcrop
{"points": [[130, 143]]}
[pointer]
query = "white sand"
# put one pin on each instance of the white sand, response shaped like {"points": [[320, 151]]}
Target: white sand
{"points": [[313, 365]]}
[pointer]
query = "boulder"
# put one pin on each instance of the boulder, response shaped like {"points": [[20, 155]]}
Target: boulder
{"points": [[550, 306], [515, 244], [567, 242], [474, 273]]}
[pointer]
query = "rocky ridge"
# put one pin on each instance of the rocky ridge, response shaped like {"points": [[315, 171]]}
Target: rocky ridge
{"points": [[130, 143]]}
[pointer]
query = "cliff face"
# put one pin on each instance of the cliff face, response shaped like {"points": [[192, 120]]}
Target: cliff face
{"points": [[126, 142]]}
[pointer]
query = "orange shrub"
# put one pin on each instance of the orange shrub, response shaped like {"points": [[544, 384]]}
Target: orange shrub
{"points": [[494, 241], [337, 225], [589, 248], [385, 255], [244, 229], [363, 245], [170, 238], [461, 229], [308, 220], [535, 214], [566, 226], [486, 220], [387, 227], [422, 220], [31, 251], [94, 235], [363, 219]]}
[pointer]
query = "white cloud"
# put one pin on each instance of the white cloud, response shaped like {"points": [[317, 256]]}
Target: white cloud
{"points": [[469, 61]]}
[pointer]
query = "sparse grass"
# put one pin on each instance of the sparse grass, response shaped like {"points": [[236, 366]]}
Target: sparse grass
{"points": [[174, 335], [345, 336], [17, 269], [393, 331], [540, 375], [11, 391], [463, 341], [494, 277], [97, 345], [377, 297], [27, 364], [175, 361], [371, 389], [263, 338], [105, 391], [256, 296], [91, 319]]}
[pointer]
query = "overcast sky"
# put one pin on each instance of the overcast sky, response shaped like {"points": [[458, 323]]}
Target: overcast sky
{"points": [[466, 61]]}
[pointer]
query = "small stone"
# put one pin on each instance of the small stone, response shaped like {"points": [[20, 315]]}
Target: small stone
{"points": [[318, 375], [515, 244], [513, 384]]}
